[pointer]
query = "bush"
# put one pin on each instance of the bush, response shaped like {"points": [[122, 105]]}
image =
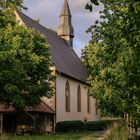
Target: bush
{"points": [[96, 125], [117, 132], [78, 126], [69, 126], [99, 125]]}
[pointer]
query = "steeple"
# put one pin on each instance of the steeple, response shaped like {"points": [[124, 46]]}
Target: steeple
{"points": [[65, 29]]}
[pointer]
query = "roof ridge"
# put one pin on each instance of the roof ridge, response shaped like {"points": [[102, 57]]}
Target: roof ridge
{"points": [[63, 56], [49, 29]]}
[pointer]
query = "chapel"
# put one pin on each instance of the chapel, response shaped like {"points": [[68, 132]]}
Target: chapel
{"points": [[72, 99]]}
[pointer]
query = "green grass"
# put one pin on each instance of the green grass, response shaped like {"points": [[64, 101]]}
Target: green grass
{"points": [[67, 136]]}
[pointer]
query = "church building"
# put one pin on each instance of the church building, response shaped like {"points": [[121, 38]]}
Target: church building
{"points": [[72, 100]]}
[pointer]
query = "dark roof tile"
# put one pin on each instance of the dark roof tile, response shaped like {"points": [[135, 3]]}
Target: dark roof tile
{"points": [[63, 56]]}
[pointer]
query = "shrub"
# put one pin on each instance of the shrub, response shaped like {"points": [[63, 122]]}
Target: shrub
{"points": [[99, 125], [95, 125], [117, 132], [69, 126], [78, 126]]}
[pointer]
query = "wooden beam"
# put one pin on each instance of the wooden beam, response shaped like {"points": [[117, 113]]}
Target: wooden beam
{"points": [[1, 123]]}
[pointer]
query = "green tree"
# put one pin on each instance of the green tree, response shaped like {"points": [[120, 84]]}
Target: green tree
{"points": [[113, 57], [25, 63], [90, 4]]}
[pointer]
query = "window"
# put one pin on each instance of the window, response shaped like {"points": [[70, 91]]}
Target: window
{"points": [[67, 97], [79, 98], [88, 101]]}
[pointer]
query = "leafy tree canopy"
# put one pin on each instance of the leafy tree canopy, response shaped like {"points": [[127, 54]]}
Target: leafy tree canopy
{"points": [[25, 63], [113, 57]]}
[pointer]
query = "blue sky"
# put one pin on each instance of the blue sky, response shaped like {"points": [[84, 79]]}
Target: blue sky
{"points": [[48, 11]]}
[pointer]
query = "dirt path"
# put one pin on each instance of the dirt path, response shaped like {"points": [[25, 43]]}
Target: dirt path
{"points": [[99, 135], [96, 135]]}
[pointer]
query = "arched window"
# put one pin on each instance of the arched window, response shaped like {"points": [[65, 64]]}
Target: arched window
{"points": [[88, 102], [79, 98], [67, 97]]}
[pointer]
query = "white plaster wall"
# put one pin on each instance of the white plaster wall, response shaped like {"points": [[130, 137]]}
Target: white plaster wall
{"points": [[61, 114]]}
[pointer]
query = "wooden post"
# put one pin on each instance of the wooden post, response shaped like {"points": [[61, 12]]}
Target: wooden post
{"points": [[34, 122], [1, 124], [45, 124], [54, 123]]}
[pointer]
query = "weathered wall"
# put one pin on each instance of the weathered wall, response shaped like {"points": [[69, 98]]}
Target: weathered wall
{"points": [[61, 114]]}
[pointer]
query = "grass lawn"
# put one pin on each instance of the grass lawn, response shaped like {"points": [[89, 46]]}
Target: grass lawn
{"points": [[67, 136]]}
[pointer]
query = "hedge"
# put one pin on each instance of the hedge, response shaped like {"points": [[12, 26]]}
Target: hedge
{"points": [[96, 125], [79, 126], [70, 126], [100, 125]]}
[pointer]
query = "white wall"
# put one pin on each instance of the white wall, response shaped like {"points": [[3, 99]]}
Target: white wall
{"points": [[61, 114]]}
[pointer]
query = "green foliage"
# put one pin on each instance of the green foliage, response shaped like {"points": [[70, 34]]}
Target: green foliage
{"points": [[100, 125], [97, 125], [117, 132], [113, 58], [25, 73], [7, 8], [11, 3], [59, 136], [69, 126], [89, 5], [80, 126]]}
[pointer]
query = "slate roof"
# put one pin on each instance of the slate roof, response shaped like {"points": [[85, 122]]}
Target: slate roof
{"points": [[63, 56], [42, 108]]}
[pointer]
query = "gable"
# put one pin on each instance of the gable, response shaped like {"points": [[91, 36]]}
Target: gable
{"points": [[63, 56]]}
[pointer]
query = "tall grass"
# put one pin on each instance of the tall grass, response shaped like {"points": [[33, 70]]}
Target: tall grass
{"points": [[63, 136], [117, 132]]}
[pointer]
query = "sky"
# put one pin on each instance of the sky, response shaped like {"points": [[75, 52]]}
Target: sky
{"points": [[48, 11]]}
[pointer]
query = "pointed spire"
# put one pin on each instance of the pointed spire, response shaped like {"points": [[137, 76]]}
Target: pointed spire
{"points": [[65, 10], [65, 29]]}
